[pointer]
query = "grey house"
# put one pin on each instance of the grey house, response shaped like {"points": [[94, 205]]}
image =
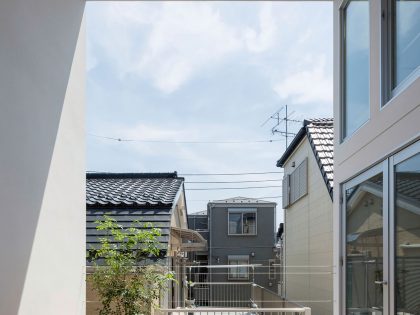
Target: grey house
{"points": [[242, 232]]}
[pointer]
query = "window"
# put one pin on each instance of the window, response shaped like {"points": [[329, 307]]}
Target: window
{"points": [[239, 269], [355, 34], [400, 45], [295, 185], [242, 221], [405, 25]]}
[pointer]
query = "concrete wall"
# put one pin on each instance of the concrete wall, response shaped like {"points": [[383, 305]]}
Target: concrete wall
{"points": [[42, 161], [388, 130], [308, 239]]}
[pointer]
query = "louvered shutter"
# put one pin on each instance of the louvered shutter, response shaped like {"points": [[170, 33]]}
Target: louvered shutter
{"points": [[303, 178], [285, 188], [298, 182]]}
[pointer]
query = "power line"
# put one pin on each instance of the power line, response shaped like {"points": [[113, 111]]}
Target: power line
{"points": [[184, 141], [236, 182], [234, 188], [228, 174]]}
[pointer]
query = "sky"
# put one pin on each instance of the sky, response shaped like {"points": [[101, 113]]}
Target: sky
{"points": [[204, 72]]}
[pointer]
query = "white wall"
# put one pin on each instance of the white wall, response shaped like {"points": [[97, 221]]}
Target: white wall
{"points": [[388, 130], [42, 170], [308, 239]]}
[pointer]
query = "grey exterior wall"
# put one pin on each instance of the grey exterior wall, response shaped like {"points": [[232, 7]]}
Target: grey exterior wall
{"points": [[221, 245]]}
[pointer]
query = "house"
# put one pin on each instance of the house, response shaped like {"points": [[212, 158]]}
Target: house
{"points": [[242, 232], [199, 221], [376, 110], [376, 214], [307, 202], [158, 198]]}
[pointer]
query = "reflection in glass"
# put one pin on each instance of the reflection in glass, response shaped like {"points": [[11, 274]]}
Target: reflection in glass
{"points": [[356, 66], [406, 50], [249, 223], [407, 236], [238, 272], [364, 247], [235, 223]]}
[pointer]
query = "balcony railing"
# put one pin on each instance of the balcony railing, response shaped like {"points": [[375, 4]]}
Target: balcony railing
{"points": [[235, 311]]}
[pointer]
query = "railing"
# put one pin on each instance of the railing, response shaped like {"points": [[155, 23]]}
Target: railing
{"points": [[222, 294], [235, 311]]}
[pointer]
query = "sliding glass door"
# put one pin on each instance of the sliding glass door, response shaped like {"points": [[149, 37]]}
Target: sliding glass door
{"points": [[407, 236], [364, 244], [380, 214]]}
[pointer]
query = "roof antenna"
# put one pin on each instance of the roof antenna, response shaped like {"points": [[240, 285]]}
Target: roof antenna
{"points": [[279, 120]]}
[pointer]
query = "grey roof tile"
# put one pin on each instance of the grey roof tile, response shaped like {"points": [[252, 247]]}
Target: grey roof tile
{"points": [[132, 189]]}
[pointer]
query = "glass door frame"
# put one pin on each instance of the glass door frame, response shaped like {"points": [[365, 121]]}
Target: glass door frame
{"points": [[383, 168], [387, 168], [394, 160]]}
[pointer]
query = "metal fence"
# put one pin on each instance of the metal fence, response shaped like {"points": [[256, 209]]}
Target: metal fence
{"points": [[236, 311]]}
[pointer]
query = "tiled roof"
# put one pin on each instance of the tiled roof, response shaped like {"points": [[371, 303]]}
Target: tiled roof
{"points": [[320, 133], [242, 200], [321, 137], [132, 189], [130, 197]]}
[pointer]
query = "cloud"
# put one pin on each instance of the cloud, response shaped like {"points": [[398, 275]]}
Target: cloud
{"points": [[170, 44], [177, 50], [311, 84], [266, 38]]}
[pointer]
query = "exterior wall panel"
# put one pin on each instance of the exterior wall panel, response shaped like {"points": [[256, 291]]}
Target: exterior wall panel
{"points": [[308, 232], [42, 163]]}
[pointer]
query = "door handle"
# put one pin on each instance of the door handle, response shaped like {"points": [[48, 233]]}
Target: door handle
{"points": [[381, 282]]}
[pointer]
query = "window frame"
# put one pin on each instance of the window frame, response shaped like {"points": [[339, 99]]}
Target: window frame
{"points": [[387, 55], [242, 211], [238, 258], [342, 66]]}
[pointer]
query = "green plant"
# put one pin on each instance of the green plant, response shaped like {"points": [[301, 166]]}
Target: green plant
{"points": [[124, 277]]}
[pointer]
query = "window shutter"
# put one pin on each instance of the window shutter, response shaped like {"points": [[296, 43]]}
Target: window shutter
{"points": [[298, 182], [303, 178], [285, 194]]}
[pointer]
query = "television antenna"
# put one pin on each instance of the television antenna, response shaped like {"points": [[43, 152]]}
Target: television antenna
{"points": [[279, 117]]}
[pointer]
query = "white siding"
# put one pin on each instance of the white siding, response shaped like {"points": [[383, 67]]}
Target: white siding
{"points": [[308, 237]]}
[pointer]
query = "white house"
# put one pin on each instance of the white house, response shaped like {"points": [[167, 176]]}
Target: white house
{"points": [[376, 157], [307, 202]]}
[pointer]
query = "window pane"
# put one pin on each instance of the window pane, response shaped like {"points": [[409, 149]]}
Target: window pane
{"points": [[235, 226], [406, 39], [364, 247], [238, 272], [250, 223], [356, 66], [407, 236], [233, 271]]}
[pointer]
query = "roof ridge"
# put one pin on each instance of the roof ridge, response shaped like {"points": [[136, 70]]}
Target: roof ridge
{"points": [[131, 175]]}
